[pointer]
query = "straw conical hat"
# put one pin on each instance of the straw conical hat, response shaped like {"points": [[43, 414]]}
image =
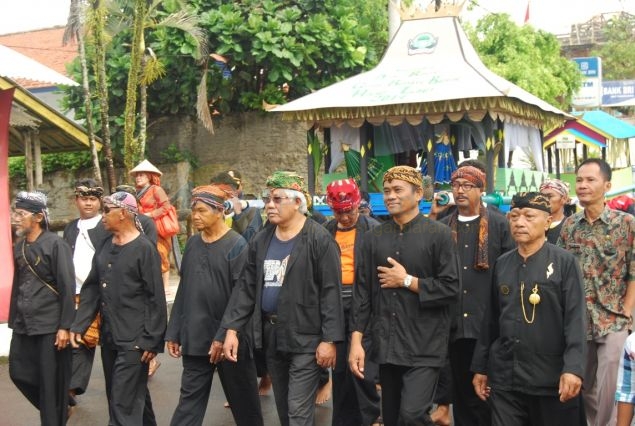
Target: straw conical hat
{"points": [[146, 167]]}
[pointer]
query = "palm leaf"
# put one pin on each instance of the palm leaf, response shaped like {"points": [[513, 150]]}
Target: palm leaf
{"points": [[202, 107], [353, 159]]}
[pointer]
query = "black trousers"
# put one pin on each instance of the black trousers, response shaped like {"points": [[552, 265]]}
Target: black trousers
{"points": [[126, 377], [520, 409], [42, 374], [239, 383], [83, 358], [355, 401], [295, 378], [407, 394], [444, 392], [468, 409]]}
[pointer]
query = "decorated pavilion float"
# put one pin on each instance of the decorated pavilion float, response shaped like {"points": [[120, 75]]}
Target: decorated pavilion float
{"points": [[429, 101]]}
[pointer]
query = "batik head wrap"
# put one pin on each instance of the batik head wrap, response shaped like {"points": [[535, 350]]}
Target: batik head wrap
{"points": [[286, 180], [289, 180], [559, 186], [127, 202], [471, 174], [89, 191], [34, 202], [343, 195], [212, 195], [406, 174], [531, 200]]}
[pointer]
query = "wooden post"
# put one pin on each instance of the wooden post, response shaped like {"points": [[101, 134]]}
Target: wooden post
{"points": [[28, 161], [557, 151], [37, 159]]}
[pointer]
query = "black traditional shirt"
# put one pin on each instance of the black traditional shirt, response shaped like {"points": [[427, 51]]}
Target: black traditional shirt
{"points": [[126, 286], [208, 275], [475, 284], [525, 347], [407, 328], [35, 308]]}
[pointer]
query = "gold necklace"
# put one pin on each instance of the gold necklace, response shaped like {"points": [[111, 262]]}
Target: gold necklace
{"points": [[534, 299]]}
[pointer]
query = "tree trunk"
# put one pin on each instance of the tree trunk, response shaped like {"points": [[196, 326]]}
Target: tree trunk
{"points": [[131, 146], [89, 107], [102, 88], [143, 111]]}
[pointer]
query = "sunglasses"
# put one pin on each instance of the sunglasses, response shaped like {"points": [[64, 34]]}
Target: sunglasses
{"points": [[107, 209], [276, 199]]}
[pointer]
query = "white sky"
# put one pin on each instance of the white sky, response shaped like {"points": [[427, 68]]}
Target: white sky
{"points": [[551, 15]]}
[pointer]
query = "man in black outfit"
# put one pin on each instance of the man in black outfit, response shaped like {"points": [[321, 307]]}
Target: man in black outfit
{"points": [[291, 284], [482, 235], [405, 285], [41, 310], [126, 287], [530, 356], [212, 263], [84, 234]]}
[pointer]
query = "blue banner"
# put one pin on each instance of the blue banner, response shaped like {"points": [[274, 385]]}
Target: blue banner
{"points": [[618, 92]]}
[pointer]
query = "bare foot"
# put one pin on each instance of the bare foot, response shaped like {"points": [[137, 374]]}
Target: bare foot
{"points": [[441, 416], [324, 393], [226, 404], [265, 385]]}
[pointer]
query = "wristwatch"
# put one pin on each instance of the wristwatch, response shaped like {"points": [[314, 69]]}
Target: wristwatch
{"points": [[407, 282]]}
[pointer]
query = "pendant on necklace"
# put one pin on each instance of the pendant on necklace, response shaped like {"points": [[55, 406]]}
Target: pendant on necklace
{"points": [[534, 297]]}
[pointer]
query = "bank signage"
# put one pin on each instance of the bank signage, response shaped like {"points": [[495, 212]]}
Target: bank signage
{"points": [[590, 93], [618, 92]]}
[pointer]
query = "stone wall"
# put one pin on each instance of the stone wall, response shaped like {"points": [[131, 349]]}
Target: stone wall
{"points": [[254, 143]]}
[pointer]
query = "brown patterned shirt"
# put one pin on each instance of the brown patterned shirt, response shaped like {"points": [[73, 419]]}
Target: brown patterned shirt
{"points": [[604, 249]]}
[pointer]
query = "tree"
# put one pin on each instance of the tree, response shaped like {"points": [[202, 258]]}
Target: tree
{"points": [[75, 31], [306, 44], [618, 55], [527, 57]]}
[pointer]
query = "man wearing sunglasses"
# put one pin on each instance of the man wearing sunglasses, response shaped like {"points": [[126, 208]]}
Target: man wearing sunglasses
{"points": [[41, 310], [126, 287], [291, 285]]}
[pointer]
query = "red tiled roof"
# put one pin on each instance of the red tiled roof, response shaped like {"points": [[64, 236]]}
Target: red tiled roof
{"points": [[44, 46]]}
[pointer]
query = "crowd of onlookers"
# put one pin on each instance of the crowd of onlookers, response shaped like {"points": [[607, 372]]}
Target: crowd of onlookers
{"points": [[466, 316]]}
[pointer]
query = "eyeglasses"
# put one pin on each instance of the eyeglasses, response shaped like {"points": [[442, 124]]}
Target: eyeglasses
{"points": [[465, 186], [277, 199], [107, 209], [21, 214]]}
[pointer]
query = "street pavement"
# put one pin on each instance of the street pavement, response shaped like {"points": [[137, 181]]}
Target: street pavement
{"points": [[92, 408]]}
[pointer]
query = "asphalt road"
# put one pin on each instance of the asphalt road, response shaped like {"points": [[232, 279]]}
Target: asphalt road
{"points": [[92, 408]]}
